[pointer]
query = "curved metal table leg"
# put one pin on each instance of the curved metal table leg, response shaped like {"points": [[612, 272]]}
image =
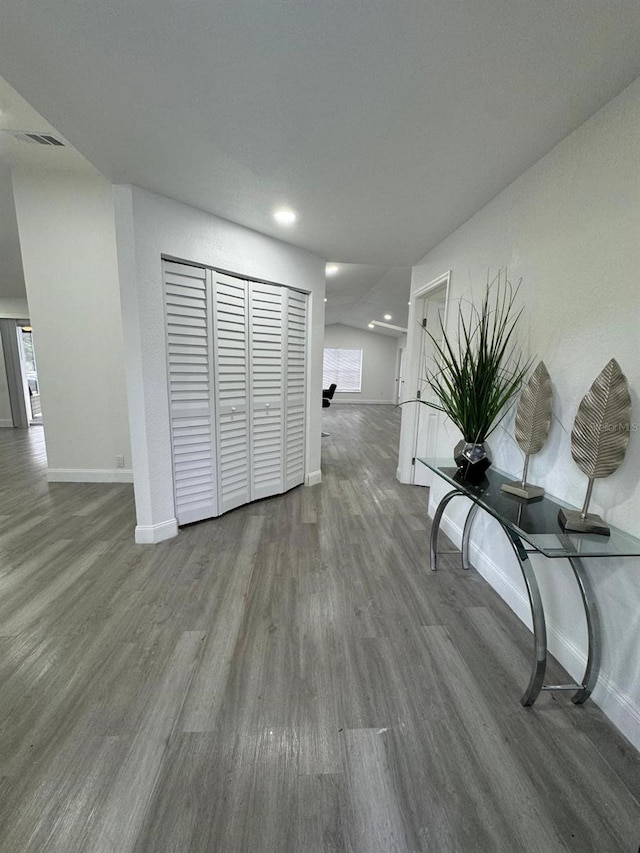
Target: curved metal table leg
{"points": [[593, 632], [435, 525], [465, 535], [539, 626]]}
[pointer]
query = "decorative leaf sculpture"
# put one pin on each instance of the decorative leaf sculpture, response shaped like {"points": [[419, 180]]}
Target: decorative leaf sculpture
{"points": [[603, 423], [533, 417]]}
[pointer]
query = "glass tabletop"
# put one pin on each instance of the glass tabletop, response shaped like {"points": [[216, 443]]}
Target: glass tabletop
{"points": [[536, 522]]}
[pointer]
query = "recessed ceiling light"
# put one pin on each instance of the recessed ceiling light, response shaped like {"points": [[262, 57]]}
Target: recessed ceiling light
{"points": [[285, 216], [371, 326], [331, 269], [387, 316], [408, 303], [325, 299]]}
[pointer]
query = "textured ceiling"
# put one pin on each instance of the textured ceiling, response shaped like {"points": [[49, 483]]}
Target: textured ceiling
{"points": [[384, 123], [359, 293]]}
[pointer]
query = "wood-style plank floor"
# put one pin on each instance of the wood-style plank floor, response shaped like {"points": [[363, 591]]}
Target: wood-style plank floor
{"points": [[289, 678]]}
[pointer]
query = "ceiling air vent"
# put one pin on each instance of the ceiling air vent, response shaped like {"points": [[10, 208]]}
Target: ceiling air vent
{"points": [[37, 138]]}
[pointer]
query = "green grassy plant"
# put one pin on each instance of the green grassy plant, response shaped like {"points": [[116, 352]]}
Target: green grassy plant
{"points": [[477, 376]]}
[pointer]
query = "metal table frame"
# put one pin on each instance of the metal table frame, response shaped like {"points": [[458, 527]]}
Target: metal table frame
{"points": [[582, 690], [522, 544]]}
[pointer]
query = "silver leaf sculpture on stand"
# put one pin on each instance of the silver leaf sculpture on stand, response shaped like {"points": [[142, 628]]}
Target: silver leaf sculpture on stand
{"points": [[599, 441], [533, 419]]}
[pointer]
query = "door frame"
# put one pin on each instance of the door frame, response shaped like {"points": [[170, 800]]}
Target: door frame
{"points": [[401, 360], [408, 431], [426, 418]]}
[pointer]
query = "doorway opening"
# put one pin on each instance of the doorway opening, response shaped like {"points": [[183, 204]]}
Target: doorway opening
{"points": [[431, 306], [29, 375]]}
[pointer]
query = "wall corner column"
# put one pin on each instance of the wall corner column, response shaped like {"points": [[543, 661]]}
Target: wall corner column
{"points": [[152, 524]]}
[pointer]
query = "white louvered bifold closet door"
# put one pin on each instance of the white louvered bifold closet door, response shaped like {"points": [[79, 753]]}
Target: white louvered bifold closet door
{"points": [[237, 390], [232, 385], [266, 322], [190, 392], [295, 387]]}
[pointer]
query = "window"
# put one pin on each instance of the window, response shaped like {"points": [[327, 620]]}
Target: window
{"points": [[344, 367]]}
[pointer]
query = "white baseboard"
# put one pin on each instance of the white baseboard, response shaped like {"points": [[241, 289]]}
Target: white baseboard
{"points": [[406, 481], [6, 422], [149, 534], [363, 402], [89, 475], [313, 478], [607, 695], [618, 708]]}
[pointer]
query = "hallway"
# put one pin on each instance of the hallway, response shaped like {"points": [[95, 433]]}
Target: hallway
{"points": [[289, 678]]}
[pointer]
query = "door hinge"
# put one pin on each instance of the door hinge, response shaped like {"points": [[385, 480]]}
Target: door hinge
{"points": [[418, 395], [424, 322], [413, 461]]}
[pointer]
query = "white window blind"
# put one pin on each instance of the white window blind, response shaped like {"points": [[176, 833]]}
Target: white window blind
{"points": [[344, 367]]}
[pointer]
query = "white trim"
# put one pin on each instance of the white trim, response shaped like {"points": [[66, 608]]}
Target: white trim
{"points": [[515, 597], [360, 402], [607, 695], [6, 422], [313, 478], [149, 534], [89, 475], [434, 284], [406, 450], [619, 708]]}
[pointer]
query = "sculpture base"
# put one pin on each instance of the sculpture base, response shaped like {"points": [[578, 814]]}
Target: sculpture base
{"points": [[571, 519], [526, 492]]}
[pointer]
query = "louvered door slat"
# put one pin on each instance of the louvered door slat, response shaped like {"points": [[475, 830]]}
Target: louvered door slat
{"points": [[295, 373], [267, 389], [232, 389], [190, 392]]}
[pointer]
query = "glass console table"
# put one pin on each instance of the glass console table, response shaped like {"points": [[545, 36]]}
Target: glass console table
{"points": [[533, 527]]}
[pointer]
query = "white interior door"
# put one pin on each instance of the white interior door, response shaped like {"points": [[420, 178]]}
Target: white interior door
{"points": [[433, 312], [237, 388], [295, 388], [190, 392], [231, 343], [266, 336]]}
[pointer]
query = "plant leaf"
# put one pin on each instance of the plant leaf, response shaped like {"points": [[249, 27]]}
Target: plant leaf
{"points": [[533, 417], [602, 426], [477, 374]]}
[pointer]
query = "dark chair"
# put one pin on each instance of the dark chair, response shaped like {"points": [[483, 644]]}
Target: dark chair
{"points": [[327, 395]]}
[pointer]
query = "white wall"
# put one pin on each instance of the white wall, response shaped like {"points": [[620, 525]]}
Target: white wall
{"points": [[378, 363], [16, 307], [570, 227], [67, 238], [149, 226], [11, 274]]}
